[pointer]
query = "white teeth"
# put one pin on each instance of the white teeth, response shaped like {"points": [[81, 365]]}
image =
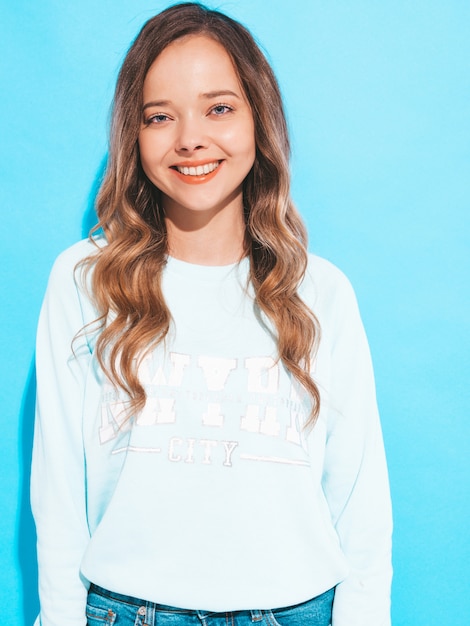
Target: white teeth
{"points": [[199, 170]]}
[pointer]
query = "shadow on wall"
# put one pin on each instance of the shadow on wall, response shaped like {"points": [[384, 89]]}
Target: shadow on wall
{"points": [[89, 218], [27, 556]]}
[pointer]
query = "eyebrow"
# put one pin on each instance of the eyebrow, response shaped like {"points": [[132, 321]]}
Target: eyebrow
{"points": [[209, 95], [217, 94], [156, 103]]}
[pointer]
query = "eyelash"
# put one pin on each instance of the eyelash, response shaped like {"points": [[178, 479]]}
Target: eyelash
{"points": [[153, 118], [220, 106]]}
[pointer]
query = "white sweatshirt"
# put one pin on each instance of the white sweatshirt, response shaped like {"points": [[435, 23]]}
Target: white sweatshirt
{"points": [[213, 497]]}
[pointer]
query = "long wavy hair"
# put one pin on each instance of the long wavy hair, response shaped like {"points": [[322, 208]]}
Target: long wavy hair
{"points": [[126, 276]]}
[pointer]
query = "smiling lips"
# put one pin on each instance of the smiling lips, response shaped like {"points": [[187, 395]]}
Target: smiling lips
{"points": [[195, 174]]}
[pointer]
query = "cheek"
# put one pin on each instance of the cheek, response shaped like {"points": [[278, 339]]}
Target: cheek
{"points": [[249, 140], [143, 152], [149, 161], [146, 147], [249, 149], [150, 154], [241, 142]]}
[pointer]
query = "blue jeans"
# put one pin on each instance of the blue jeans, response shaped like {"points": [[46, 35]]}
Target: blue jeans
{"points": [[105, 608]]}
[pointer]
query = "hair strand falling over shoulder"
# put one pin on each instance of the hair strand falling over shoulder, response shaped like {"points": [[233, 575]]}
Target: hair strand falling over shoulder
{"points": [[126, 274]]}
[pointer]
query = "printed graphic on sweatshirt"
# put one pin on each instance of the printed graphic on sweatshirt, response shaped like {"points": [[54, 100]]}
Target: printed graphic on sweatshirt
{"points": [[211, 410]]}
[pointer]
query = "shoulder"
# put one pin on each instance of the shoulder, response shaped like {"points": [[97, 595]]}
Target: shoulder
{"points": [[68, 298], [324, 283], [79, 251], [69, 285], [330, 296], [328, 293], [66, 263]]}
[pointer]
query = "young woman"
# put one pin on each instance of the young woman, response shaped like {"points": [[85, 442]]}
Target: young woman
{"points": [[207, 446]]}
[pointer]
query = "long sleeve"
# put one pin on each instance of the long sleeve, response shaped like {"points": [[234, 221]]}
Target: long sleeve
{"points": [[355, 479], [58, 467]]}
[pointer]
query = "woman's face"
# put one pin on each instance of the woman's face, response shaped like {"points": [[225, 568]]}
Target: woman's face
{"points": [[197, 139]]}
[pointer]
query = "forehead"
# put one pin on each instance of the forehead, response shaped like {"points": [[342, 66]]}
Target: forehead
{"points": [[192, 63]]}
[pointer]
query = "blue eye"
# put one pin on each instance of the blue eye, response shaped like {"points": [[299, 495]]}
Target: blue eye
{"points": [[220, 109], [159, 118]]}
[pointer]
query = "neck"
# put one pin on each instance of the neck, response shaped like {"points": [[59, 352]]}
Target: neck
{"points": [[207, 239]]}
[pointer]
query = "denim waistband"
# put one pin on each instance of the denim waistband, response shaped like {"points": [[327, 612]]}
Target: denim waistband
{"points": [[255, 614]]}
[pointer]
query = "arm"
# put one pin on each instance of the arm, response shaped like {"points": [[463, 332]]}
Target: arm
{"points": [[355, 478], [58, 466]]}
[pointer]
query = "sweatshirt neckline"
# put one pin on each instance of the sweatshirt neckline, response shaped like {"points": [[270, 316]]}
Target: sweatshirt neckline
{"points": [[204, 272]]}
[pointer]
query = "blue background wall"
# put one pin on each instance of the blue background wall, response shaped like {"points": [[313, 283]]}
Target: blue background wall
{"points": [[378, 95]]}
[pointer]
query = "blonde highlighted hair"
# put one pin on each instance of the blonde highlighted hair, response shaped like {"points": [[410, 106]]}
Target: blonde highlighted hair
{"points": [[126, 274]]}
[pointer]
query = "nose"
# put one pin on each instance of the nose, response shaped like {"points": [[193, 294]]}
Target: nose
{"points": [[191, 135]]}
